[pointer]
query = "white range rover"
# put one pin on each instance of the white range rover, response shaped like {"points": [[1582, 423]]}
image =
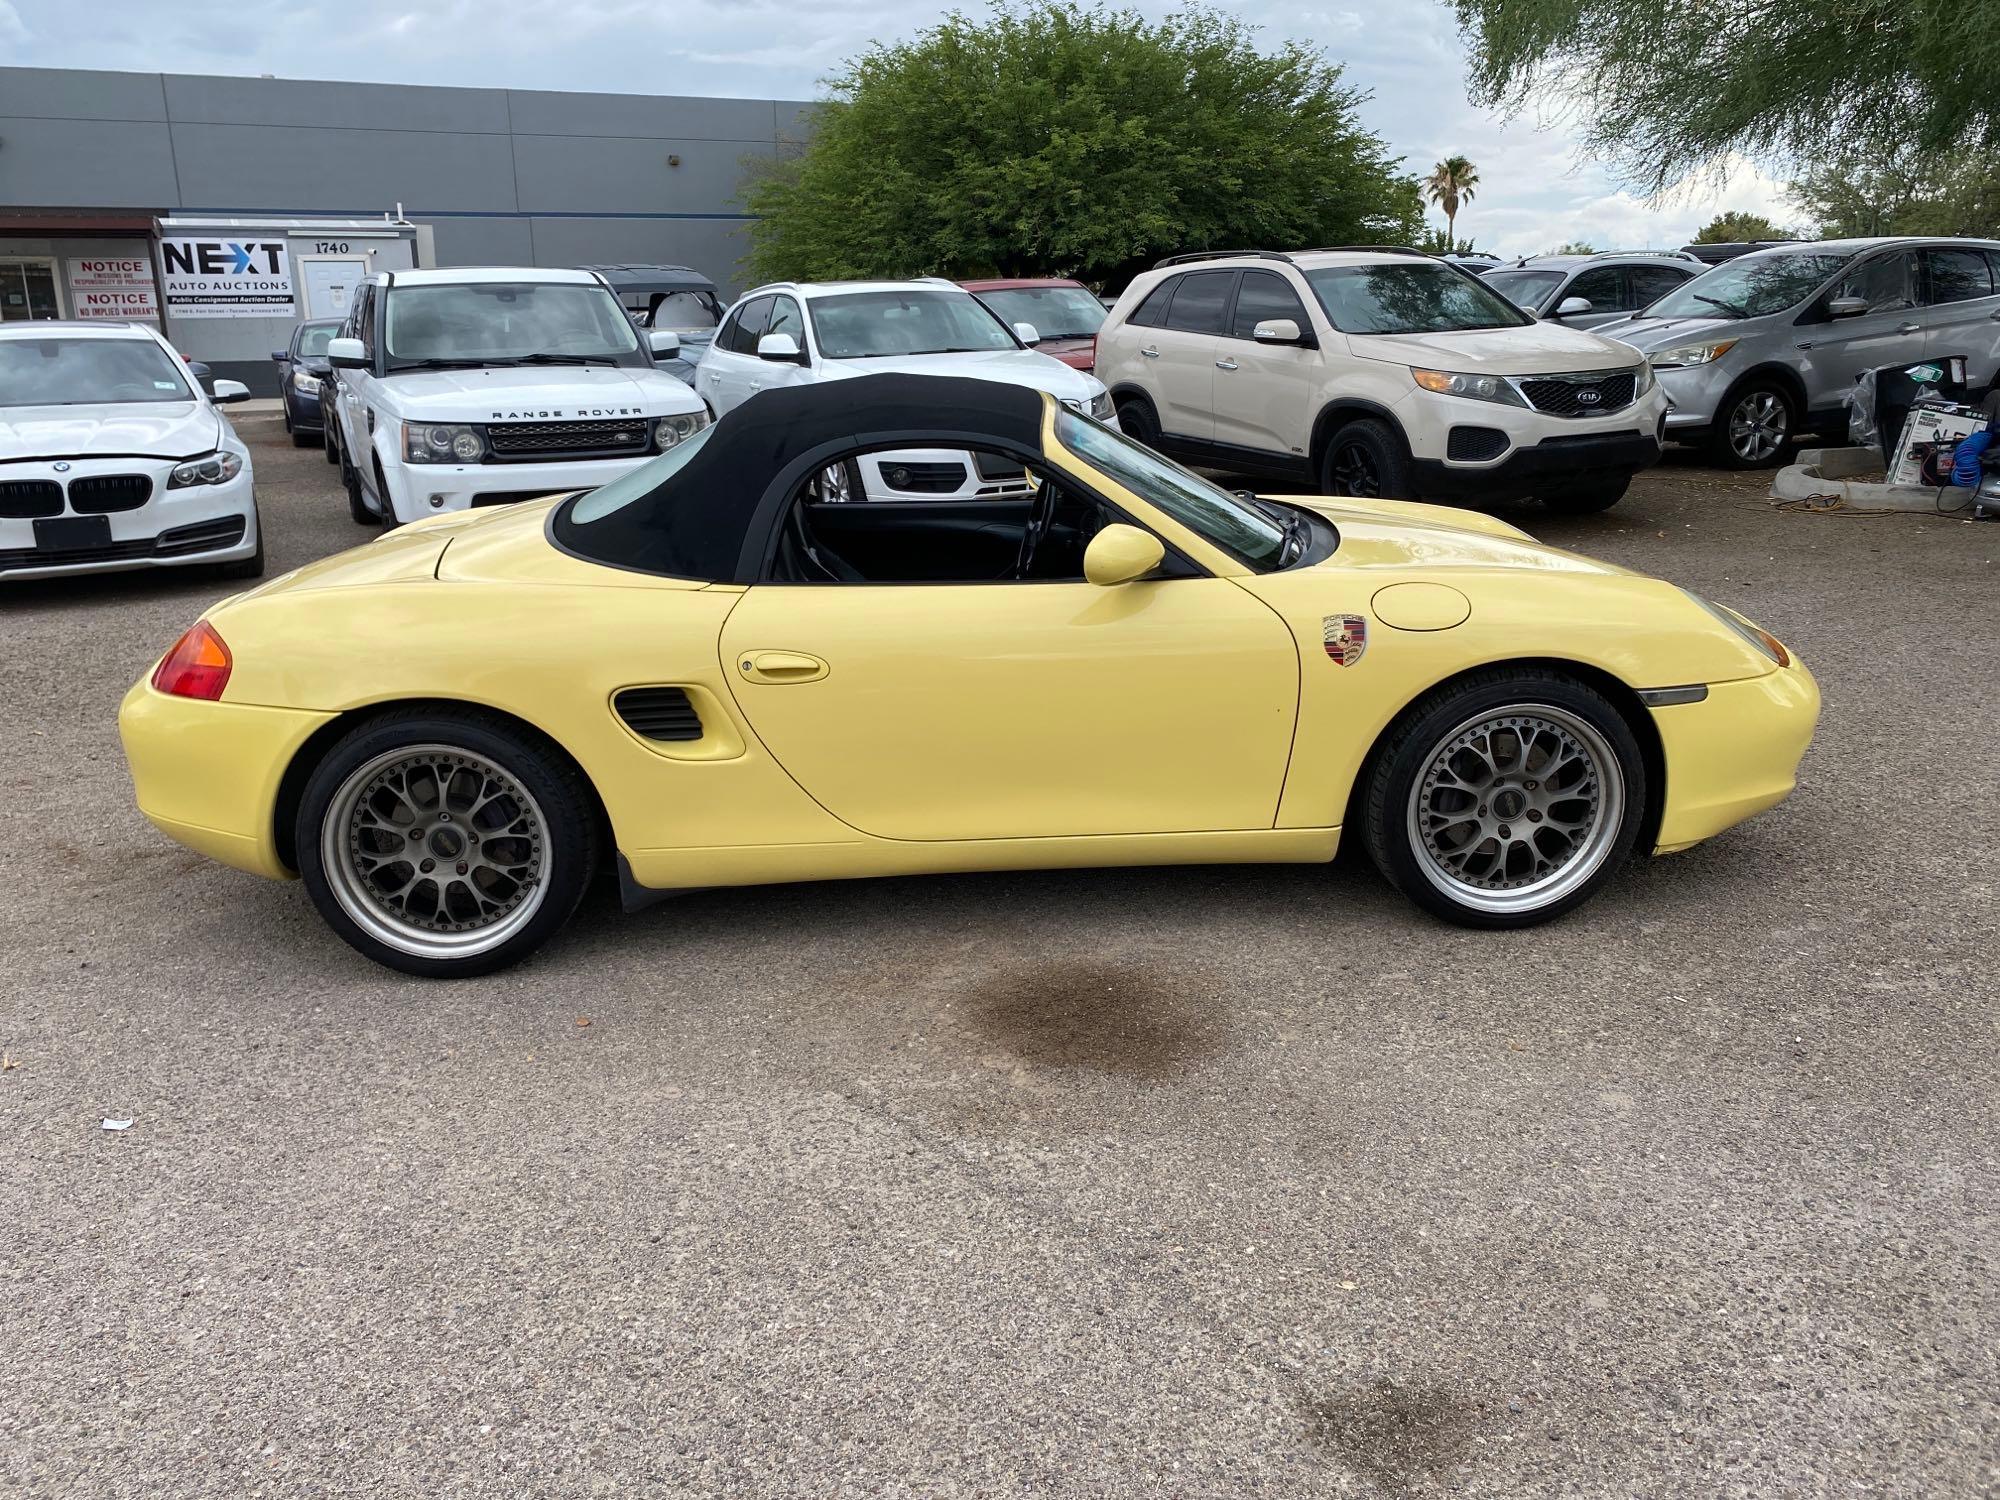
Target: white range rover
{"points": [[472, 387], [799, 333]]}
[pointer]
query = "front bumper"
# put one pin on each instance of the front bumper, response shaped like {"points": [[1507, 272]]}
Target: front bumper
{"points": [[1528, 471], [419, 490], [1694, 392], [305, 409], [207, 774], [207, 523], [1733, 754]]}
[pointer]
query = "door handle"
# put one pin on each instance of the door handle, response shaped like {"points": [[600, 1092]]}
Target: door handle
{"points": [[1908, 328], [1994, 316], [1152, 353], [781, 666], [1225, 364]]}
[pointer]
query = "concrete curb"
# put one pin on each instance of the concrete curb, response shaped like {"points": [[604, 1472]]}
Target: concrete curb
{"points": [[1836, 471]]}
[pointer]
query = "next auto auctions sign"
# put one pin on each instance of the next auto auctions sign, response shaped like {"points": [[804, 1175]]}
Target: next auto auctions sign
{"points": [[219, 278]]}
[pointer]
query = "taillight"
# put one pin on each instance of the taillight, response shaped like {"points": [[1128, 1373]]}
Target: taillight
{"points": [[197, 667], [1092, 366]]}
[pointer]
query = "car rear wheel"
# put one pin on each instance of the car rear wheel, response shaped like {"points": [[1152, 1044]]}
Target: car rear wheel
{"points": [[326, 437], [1366, 460], [1506, 798], [445, 844], [1753, 429], [1138, 421], [1585, 497], [357, 503]]}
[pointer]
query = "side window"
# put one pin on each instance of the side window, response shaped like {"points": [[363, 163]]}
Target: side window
{"points": [[725, 336], [364, 317], [1884, 283], [751, 324], [1152, 311], [1265, 295], [1651, 283], [786, 318], [1199, 301], [1959, 275], [1602, 286]]}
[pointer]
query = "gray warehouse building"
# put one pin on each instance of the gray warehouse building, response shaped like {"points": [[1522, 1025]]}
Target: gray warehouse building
{"points": [[224, 209]]}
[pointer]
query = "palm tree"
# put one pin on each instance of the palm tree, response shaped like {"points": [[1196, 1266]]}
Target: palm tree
{"points": [[1451, 183]]}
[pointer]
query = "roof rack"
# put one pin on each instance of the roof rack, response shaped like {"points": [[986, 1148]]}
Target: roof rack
{"points": [[1192, 255], [1370, 250]]}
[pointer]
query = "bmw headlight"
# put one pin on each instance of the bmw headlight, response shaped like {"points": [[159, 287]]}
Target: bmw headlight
{"points": [[211, 468], [669, 431], [443, 443], [1683, 355], [305, 380], [1754, 636], [1472, 387], [1101, 406]]}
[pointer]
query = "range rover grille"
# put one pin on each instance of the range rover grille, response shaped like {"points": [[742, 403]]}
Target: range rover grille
{"points": [[517, 442]]}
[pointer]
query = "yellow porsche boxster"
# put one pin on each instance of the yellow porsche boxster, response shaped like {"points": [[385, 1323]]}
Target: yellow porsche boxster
{"points": [[735, 665]]}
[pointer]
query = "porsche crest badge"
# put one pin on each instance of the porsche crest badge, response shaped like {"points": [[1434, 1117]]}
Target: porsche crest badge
{"points": [[1346, 639]]}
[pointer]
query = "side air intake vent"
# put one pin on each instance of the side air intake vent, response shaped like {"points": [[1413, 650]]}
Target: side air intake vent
{"points": [[658, 713]]}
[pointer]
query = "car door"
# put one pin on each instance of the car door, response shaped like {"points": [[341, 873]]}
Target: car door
{"points": [[943, 710], [785, 317], [354, 384], [1181, 350], [725, 372], [1261, 389], [1890, 332], [1962, 312]]}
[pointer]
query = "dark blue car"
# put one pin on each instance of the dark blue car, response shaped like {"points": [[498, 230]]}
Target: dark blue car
{"points": [[300, 367]]}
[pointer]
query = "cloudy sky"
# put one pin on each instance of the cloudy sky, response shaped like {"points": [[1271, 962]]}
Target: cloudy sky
{"points": [[1535, 193]]}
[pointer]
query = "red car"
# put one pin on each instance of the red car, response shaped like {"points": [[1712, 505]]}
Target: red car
{"points": [[1065, 313]]}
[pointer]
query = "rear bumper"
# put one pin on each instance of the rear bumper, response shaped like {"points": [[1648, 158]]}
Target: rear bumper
{"points": [[1526, 470], [1733, 754], [207, 774]]}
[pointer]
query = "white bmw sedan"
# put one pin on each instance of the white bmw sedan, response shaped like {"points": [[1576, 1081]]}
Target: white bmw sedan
{"points": [[111, 457]]}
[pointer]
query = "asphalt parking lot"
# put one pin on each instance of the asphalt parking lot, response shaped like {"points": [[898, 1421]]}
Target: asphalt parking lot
{"points": [[1207, 1182]]}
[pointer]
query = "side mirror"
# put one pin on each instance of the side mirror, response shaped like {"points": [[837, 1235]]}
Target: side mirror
{"points": [[1847, 307], [1570, 307], [347, 354], [281, 355], [227, 391], [781, 347], [1121, 553], [1028, 334], [664, 343], [1276, 331]]}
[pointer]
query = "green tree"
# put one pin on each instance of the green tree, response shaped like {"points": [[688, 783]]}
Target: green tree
{"points": [[1575, 247], [1437, 242], [1452, 182], [1734, 226], [1901, 192], [1077, 139], [1663, 89]]}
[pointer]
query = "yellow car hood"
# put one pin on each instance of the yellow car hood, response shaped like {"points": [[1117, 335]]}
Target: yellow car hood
{"points": [[1401, 534]]}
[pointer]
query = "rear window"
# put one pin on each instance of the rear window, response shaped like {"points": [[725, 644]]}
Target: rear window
{"points": [[1199, 301], [1410, 297], [1527, 288]]}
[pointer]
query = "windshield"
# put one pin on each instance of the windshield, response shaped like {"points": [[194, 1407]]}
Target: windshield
{"points": [[1058, 312], [1410, 297], [1206, 509], [862, 325], [1524, 288], [686, 312], [637, 484], [87, 372], [314, 337], [1750, 286], [502, 322]]}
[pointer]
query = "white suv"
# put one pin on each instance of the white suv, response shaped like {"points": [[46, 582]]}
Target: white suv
{"points": [[799, 333], [481, 387], [1376, 372]]}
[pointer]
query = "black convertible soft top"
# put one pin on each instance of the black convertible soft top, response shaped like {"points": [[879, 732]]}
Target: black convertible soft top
{"points": [[712, 518]]}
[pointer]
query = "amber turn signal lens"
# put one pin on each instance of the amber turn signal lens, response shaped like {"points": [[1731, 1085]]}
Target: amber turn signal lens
{"points": [[1775, 646], [197, 667]]}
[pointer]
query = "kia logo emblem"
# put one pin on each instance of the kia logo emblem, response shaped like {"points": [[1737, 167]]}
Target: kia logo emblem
{"points": [[1589, 396], [62, 468]]}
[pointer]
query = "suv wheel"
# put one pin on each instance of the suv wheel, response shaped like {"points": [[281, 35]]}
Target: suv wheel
{"points": [[1365, 459], [1586, 497], [1138, 421], [357, 503], [1753, 428]]}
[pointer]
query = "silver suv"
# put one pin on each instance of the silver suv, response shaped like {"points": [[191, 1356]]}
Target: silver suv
{"points": [[1588, 291], [1767, 346]]}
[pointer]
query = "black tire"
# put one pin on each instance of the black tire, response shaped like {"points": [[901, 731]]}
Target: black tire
{"points": [[386, 516], [357, 503], [563, 841], [1754, 406], [1409, 784], [249, 567], [1366, 459], [327, 438], [304, 439], [1586, 497], [1138, 421]]}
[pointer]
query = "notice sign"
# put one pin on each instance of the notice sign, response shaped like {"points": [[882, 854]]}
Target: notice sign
{"points": [[217, 278], [113, 288]]}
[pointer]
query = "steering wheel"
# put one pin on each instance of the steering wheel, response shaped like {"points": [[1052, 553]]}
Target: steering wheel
{"points": [[1041, 516]]}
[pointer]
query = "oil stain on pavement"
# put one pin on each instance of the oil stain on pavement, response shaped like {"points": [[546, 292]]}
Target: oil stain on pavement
{"points": [[1403, 1438], [1093, 1017]]}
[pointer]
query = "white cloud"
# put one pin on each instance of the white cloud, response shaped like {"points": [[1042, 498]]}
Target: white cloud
{"points": [[12, 27]]}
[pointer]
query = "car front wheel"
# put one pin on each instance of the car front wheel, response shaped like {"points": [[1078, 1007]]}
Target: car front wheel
{"points": [[1506, 798], [1365, 460], [445, 844], [1586, 496], [1753, 429]]}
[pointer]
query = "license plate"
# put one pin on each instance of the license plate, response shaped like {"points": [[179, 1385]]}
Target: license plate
{"points": [[72, 533]]}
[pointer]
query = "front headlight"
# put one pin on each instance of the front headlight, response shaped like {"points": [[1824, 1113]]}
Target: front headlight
{"points": [[669, 431], [1101, 406], [443, 443], [1472, 387], [305, 380], [1762, 640], [1682, 355], [211, 468], [1642, 379]]}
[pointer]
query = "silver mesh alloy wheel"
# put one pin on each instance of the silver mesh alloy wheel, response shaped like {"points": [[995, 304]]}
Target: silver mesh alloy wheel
{"points": [[1516, 808], [436, 850]]}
